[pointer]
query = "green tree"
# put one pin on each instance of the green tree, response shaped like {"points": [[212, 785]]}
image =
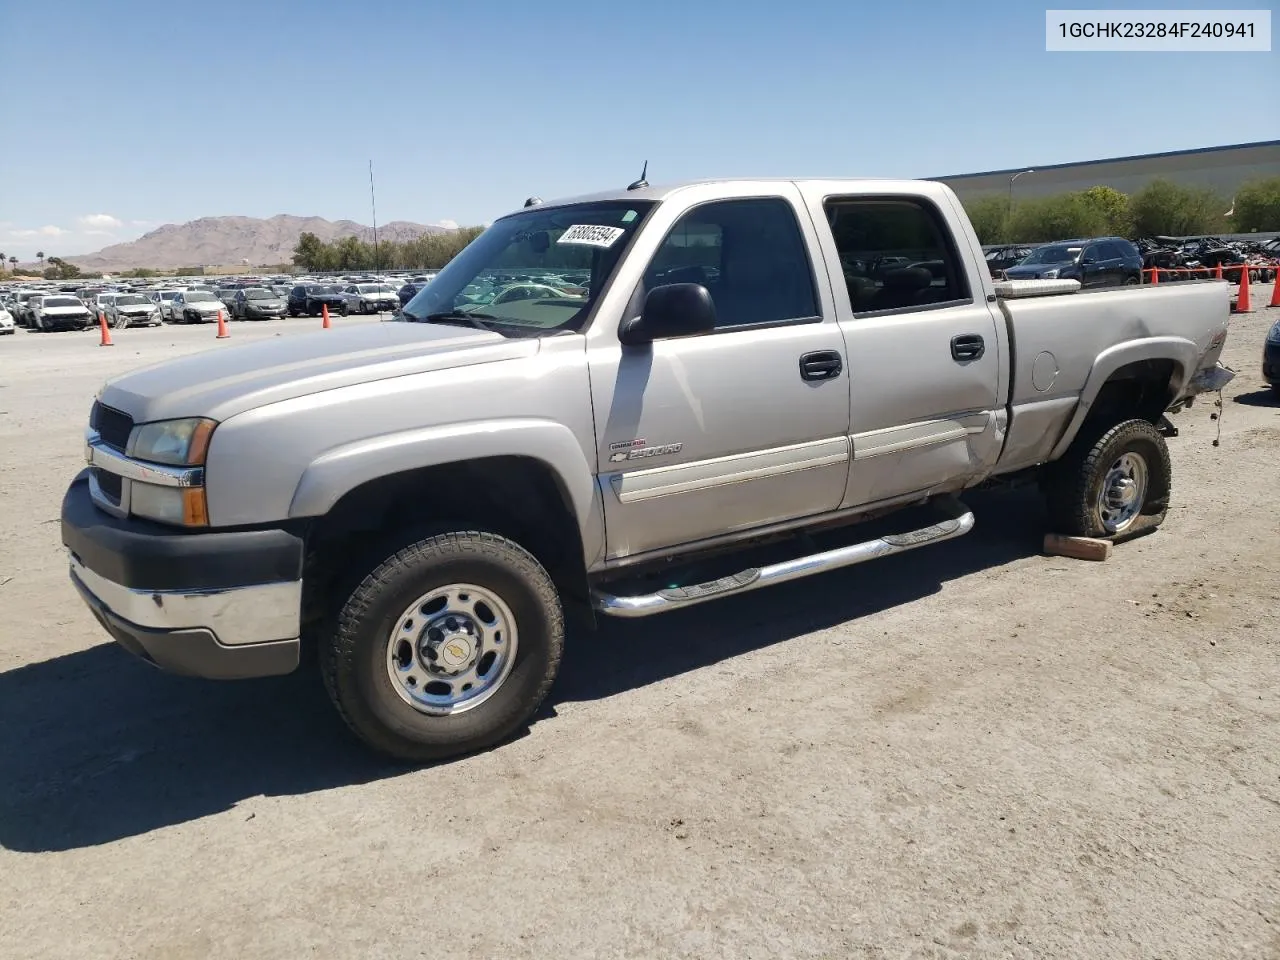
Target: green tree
{"points": [[309, 251], [1257, 206], [990, 217], [1112, 207], [1055, 218], [1165, 208]]}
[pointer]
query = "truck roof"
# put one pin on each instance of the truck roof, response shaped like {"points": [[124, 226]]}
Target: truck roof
{"points": [[658, 192]]}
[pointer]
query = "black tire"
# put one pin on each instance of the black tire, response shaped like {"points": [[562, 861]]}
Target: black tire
{"points": [[353, 657], [344, 309], [1073, 485], [1131, 281], [292, 312]]}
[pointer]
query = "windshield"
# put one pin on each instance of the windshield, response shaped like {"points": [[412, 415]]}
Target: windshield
{"points": [[132, 301], [374, 288], [60, 302], [259, 295], [168, 294], [538, 270], [1054, 253], [199, 296]]}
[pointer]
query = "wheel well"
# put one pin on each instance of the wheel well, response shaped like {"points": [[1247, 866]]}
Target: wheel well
{"points": [[1142, 390], [516, 497]]}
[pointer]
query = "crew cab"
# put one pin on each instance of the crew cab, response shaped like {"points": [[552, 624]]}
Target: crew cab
{"points": [[747, 364]]}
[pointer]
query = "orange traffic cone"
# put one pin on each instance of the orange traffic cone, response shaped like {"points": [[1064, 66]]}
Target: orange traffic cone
{"points": [[1217, 271], [1155, 276], [106, 332], [324, 312], [1275, 294], [1242, 300], [222, 327]]}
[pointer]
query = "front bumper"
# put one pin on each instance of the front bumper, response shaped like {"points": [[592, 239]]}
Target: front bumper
{"points": [[216, 605], [1271, 363]]}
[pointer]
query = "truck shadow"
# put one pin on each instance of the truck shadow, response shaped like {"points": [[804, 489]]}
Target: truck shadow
{"points": [[97, 746], [1259, 398], [625, 654]]}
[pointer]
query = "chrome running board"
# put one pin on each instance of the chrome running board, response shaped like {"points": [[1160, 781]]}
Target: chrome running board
{"points": [[958, 523]]}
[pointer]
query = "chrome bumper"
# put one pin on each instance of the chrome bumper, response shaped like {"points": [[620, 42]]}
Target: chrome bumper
{"points": [[236, 616]]}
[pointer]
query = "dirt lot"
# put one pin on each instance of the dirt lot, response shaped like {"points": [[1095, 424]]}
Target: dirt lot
{"points": [[970, 751]]}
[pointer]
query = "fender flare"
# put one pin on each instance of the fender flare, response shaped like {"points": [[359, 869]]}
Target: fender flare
{"points": [[340, 470], [1182, 352]]}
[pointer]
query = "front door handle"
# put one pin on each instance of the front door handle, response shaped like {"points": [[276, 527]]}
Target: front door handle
{"points": [[967, 346], [821, 365]]}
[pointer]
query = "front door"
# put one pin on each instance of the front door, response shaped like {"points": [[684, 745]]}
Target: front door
{"points": [[703, 436], [923, 350]]}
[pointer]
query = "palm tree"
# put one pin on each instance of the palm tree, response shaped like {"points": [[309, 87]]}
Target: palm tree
{"points": [[13, 264], [40, 257]]}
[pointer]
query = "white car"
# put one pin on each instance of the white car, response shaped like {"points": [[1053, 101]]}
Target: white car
{"points": [[61, 312], [196, 306], [164, 300], [131, 309], [370, 297], [6, 322]]}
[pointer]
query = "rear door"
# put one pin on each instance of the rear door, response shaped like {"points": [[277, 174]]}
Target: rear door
{"points": [[923, 347]]}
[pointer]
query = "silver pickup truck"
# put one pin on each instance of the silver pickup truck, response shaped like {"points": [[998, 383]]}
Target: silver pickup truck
{"points": [[718, 366]]}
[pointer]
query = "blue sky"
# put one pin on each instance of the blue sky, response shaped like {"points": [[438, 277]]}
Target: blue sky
{"points": [[121, 116]]}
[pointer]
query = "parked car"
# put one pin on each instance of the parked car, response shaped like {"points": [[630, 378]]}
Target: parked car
{"points": [[310, 298], [7, 324], [735, 385], [1271, 358], [164, 300], [257, 303], [132, 309], [61, 312], [1095, 262], [1000, 258], [369, 297], [410, 290], [227, 295], [196, 306], [23, 308]]}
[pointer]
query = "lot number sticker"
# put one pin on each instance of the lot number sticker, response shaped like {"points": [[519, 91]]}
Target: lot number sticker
{"points": [[591, 235]]}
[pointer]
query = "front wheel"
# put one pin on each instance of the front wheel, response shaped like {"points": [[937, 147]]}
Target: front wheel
{"points": [[447, 647], [1113, 485]]}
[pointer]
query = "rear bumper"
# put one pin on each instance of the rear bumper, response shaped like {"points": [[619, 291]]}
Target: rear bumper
{"points": [[217, 605]]}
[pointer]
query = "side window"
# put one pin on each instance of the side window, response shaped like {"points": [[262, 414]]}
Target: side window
{"points": [[1114, 250], [1094, 252], [895, 253], [749, 254]]}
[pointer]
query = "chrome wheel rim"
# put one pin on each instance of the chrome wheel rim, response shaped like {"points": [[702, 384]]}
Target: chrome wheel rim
{"points": [[451, 649], [1124, 490]]}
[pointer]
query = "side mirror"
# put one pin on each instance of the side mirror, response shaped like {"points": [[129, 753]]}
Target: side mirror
{"points": [[672, 310]]}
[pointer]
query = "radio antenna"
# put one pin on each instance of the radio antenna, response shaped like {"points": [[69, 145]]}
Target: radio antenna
{"points": [[373, 204], [642, 182]]}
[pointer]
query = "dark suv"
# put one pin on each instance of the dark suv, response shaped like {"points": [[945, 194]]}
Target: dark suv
{"points": [[308, 298], [1095, 262]]}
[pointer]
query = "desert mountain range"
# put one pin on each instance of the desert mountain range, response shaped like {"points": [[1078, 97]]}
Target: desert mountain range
{"points": [[232, 240]]}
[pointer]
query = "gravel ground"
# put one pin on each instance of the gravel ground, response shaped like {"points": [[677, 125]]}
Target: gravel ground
{"points": [[971, 751]]}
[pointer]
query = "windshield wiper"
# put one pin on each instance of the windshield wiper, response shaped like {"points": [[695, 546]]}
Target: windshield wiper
{"points": [[455, 317]]}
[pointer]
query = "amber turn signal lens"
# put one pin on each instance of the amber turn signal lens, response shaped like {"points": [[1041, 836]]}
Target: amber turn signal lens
{"points": [[195, 509], [200, 438]]}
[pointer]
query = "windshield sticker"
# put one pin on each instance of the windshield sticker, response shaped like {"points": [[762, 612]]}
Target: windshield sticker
{"points": [[591, 235], [628, 216]]}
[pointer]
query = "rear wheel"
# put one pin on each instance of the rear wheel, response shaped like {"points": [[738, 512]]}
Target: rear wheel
{"points": [[447, 647], [1111, 485]]}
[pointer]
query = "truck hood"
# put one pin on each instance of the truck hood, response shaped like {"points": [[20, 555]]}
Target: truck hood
{"points": [[224, 381]]}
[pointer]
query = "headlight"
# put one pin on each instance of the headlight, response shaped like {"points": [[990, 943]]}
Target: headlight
{"points": [[1273, 335], [181, 506], [179, 443], [1049, 275]]}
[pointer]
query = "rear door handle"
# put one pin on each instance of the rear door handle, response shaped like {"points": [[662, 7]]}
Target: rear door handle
{"points": [[967, 346], [821, 365]]}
